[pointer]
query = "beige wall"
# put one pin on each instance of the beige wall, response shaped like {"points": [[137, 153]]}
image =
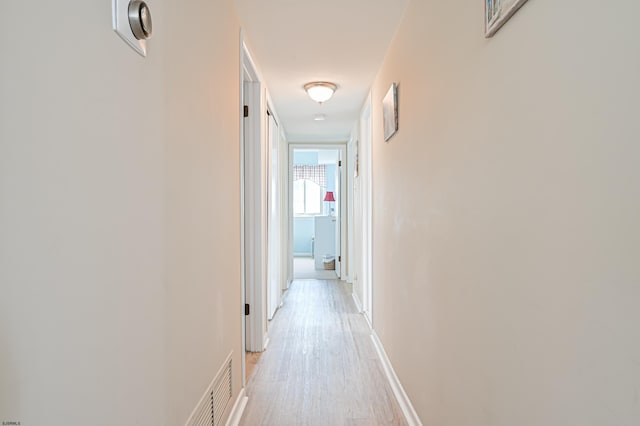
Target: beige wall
{"points": [[506, 237], [119, 245], [203, 199]]}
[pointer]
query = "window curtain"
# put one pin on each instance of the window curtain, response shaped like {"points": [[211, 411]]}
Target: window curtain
{"points": [[317, 174]]}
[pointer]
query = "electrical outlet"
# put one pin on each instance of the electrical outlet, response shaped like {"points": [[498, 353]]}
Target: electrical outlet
{"points": [[122, 26]]}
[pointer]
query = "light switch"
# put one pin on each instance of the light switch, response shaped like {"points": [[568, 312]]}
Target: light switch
{"points": [[132, 22]]}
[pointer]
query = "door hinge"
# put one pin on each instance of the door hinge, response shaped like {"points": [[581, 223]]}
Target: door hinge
{"points": [[339, 258], [340, 163], [246, 111], [247, 309]]}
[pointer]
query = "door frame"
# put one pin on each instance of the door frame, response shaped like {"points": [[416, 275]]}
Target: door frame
{"points": [[366, 196], [252, 207], [275, 239], [342, 148]]}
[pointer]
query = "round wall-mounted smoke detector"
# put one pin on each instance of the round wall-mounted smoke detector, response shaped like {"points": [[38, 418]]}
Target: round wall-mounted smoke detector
{"points": [[140, 19], [132, 22]]}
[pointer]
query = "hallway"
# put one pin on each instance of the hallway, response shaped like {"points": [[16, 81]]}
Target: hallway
{"points": [[320, 367], [491, 191]]}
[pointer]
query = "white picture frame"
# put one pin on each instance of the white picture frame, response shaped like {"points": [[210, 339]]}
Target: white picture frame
{"points": [[390, 112], [497, 13]]}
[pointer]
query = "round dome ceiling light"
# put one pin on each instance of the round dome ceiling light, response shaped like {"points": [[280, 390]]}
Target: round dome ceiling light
{"points": [[320, 91]]}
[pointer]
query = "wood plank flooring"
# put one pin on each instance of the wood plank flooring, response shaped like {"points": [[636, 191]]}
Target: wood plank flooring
{"points": [[320, 367], [305, 268], [251, 360]]}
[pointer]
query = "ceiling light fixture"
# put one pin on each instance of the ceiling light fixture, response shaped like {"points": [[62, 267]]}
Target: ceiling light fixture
{"points": [[320, 117], [320, 91]]}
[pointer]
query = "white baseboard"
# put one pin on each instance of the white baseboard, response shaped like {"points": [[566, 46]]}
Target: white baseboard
{"points": [[403, 400], [238, 409], [365, 314], [356, 300], [266, 343]]}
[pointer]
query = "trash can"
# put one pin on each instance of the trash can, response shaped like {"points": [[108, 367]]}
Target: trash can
{"points": [[329, 262]]}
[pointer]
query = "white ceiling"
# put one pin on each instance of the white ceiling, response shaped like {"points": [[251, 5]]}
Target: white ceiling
{"points": [[298, 41]]}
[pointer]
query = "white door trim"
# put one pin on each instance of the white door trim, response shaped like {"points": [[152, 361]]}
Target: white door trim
{"points": [[243, 77], [349, 237], [253, 219], [342, 147], [366, 274], [274, 213]]}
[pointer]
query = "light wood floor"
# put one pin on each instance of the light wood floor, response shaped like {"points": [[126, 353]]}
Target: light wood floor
{"points": [[251, 359], [305, 268], [320, 367]]}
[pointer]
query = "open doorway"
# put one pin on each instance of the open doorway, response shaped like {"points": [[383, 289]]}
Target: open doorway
{"points": [[316, 212]]}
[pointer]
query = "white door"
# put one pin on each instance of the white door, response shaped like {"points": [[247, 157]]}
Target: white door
{"points": [[254, 256], [274, 269]]}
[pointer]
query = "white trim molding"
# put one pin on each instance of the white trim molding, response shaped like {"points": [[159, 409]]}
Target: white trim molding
{"points": [[342, 148], [403, 400], [367, 319], [238, 409], [356, 300]]}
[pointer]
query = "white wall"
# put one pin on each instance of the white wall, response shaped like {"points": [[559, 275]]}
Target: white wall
{"points": [[506, 273], [119, 270]]}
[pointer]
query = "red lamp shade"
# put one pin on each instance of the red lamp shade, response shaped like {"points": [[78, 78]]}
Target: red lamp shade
{"points": [[329, 196]]}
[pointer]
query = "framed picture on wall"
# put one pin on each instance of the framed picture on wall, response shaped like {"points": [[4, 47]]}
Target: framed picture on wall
{"points": [[390, 112], [497, 12]]}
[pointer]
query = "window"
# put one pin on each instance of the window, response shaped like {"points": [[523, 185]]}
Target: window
{"points": [[307, 197]]}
